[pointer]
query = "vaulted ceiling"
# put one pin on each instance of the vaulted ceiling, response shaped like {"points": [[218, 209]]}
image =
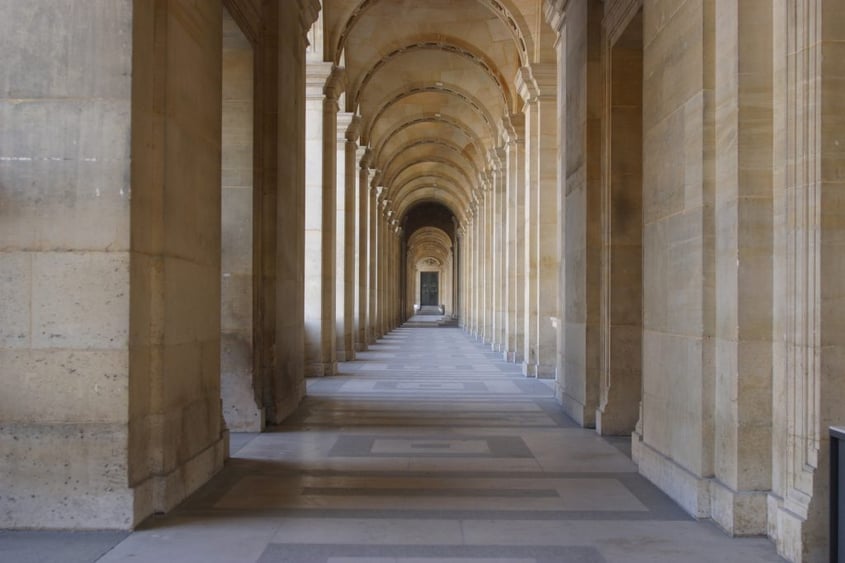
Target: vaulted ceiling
{"points": [[433, 83]]}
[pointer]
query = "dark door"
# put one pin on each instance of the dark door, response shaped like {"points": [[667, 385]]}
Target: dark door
{"points": [[429, 291]]}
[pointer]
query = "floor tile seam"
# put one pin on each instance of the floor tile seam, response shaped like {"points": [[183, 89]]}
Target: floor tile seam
{"points": [[321, 426], [441, 514], [474, 397], [442, 474]]}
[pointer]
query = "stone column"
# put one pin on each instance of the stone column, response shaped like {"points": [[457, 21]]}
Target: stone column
{"points": [[323, 86], [389, 271], [394, 307], [476, 267], [499, 254], [466, 305], [372, 274], [515, 224], [363, 254], [383, 256], [487, 239], [743, 188], [537, 86], [809, 97], [347, 135]]}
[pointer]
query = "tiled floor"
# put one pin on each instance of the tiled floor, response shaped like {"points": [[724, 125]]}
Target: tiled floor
{"points": [[429, 449]]}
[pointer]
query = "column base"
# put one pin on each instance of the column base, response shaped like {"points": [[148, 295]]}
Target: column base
{"points": [[320, 369], [360, 346], [529, 369], [509, 356], [574, 409], [162, 493], [739, 513], [612, 422], [688, 490], [345, 355], [546, 372]]}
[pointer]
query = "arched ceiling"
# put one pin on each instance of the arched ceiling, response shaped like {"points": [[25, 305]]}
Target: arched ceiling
{"points": [[432, 81]]}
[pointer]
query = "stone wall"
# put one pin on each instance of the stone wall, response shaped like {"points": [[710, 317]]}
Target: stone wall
{"points": [[65, 93], [110, 341], [741, 250]]}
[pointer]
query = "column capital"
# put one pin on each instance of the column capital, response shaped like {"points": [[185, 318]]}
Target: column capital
{"points": [[496, 160], [344, 120], [309, 11], [316, 75], [513, 128], [537, 82], [555, 12], [335, 83], [363, 156], [353, 131]]}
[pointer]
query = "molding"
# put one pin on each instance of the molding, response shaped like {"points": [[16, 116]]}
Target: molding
{"points": [[365, 155], [537, 82], [353, 131], [316, 75], [344, 121], [248, 17], [335, 83], [555, 13], [309, 11], [617, 15]]}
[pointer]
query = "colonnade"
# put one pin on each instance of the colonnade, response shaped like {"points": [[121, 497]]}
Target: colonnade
{"points": [[353, 236], [510, 244]]}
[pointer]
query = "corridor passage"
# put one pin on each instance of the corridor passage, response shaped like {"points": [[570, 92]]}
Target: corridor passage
{"points": [[429, 448]]}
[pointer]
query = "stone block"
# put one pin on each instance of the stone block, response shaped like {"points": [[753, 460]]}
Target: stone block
{"points": [[15, 299], [65, 476], [83, 49], [64, 386], [80, 300]]}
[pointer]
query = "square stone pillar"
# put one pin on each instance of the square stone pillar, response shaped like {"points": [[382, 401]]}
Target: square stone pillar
{"points": [[515, 226], [362, 304], [808, 265], [743, 225], [281, 90], [345, 228], [477, 277], [499, 251], [538, 86], [372, 274], [323, 85]]}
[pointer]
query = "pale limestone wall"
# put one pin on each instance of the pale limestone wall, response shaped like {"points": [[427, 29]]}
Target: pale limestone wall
{"points": [[112, 351], [240, 410], [675, 446], [177, 439], [65, 88]]}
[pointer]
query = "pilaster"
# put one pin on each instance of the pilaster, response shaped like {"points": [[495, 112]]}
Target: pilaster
{"points": [[346, 147], [537, 85], [363, 249]]}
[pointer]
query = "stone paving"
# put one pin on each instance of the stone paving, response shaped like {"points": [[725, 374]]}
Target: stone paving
{"points": [[429, 449]]}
